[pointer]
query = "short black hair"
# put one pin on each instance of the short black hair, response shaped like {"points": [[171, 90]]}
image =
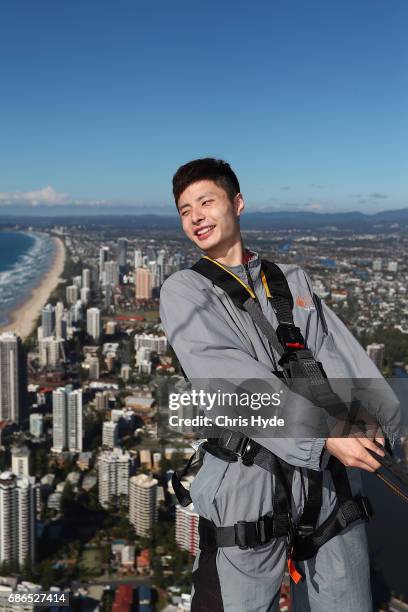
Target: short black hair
{"points": [[210, 169]]}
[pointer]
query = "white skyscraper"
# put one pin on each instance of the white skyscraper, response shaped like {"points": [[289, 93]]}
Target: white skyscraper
{"points": [[103, 256], [74, 421], [17, 519], [85, 295], [93, 323], [20, 461], [51, 350], [86, 278], [67, 420], [77, 280], [13, 378], [60, 323], [110, 434], [111, 273], [114, 470], [48, 320], [187, 528], [72, 294], [142, 503], [36, 424], [138, 259]]}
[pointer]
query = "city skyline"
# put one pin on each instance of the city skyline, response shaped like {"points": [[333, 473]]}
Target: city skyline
{"points": [[307, 103]]}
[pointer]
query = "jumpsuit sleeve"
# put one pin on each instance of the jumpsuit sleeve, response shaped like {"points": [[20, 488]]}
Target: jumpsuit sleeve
{"points": [[208, 347], [333, 342]]}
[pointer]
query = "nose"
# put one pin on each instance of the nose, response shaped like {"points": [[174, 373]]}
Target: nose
{"points": [[197, 216]]}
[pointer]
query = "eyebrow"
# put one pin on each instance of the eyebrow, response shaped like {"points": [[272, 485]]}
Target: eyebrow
{"points": [[205, 195]]}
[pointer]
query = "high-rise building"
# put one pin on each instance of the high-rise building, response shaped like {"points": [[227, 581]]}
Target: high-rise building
{"points": [[110, 434], [67, 419], [142, 503], [86, 278], [77, 280], [122, 256], [102, 401], [76, 312], [161, 263], [48, 320], [60, 321], [144, 284], [72, 294], [187, 528], [17, 519], [74, 421], [392, 266], [51, 350], [153, 342], [138, 259], [103, 256], [143, 360], [20, 461], [85, 295], [114, 470], [93, 323], [151, 253], [94, 370], [36, 424], [376, 354], [13, 378], [111, 273], [377, 264]]}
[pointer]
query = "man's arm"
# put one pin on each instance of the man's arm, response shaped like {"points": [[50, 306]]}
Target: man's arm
{"points": [[368, 384], [208, 347]]}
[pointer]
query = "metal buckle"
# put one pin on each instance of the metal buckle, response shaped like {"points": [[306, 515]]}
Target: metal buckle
{"points": [[304, 530], [244, 447]]}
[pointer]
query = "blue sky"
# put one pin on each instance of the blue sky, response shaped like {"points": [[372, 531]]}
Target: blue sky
{"points": [[307, 99]]}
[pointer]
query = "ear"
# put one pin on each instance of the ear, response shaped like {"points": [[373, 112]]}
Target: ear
{"points": [[239, 204]]}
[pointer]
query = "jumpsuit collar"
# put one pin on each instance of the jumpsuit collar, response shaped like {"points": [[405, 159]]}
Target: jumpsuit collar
{"points": [[253, 265]]}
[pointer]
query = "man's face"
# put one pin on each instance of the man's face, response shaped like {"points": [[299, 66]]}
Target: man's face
{"points": [[208, 216]]}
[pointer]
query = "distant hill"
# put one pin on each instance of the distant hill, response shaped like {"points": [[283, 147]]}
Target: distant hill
{"points": [[103, 216]]}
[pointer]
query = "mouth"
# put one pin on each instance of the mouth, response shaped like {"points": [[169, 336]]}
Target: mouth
{"points": [[203, 232]]}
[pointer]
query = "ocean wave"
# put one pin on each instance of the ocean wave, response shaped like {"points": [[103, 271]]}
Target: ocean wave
{"points": [[26, 273]]}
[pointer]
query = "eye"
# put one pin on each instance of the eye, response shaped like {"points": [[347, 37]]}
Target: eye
{"points": [[184, 213], [207, 202]]}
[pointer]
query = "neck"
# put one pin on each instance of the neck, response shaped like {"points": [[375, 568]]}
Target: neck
{"points": [[228, 255]]}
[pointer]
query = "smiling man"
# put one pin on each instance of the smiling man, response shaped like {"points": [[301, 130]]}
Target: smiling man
{"points": [[243, 533]]}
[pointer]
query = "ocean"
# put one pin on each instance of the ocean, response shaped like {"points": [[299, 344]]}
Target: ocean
{"points": [[24, 259]]}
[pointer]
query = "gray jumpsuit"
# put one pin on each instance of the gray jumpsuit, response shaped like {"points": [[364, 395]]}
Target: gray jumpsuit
{"points": [[213, 338]]}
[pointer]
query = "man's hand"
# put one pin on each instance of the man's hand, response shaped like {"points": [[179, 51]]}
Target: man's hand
{"points": [[352, 452]]}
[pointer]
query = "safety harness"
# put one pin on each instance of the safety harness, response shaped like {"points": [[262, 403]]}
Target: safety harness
{"points": [[297, 362]]}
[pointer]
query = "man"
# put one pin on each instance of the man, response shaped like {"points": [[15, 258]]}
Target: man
{"points": [[214, 339]]}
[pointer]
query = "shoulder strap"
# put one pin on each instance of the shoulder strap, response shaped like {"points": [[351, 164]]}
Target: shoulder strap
{"points": [[238, 291]]}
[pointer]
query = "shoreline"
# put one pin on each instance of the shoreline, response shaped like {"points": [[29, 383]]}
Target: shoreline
{"points": [[24, 316]]}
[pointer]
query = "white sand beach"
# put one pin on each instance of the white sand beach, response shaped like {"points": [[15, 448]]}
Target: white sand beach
{"points": [[24, 317]]}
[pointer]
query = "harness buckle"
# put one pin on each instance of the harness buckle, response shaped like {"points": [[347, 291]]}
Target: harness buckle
{"points": [[243, 447], [304, 530], [290, 337]]}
